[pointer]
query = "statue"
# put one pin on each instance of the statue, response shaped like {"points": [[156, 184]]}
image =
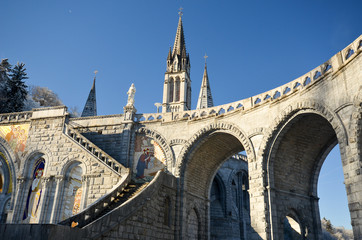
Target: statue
{"points": [[131, 92]]}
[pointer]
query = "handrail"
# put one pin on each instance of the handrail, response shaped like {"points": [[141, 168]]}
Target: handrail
{"points": [[95, 151], [15, 117], [95, 209]]}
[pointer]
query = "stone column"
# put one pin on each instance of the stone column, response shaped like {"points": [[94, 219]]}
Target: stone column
{"points": [[259, 209], [46, 181], [85, 188], [18, 203], [129, 112], [57, 198], [352, 167]]}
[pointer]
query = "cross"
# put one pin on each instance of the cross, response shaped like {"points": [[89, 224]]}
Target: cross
{"points": [[180, 12], [95, 73], [205, 57]]}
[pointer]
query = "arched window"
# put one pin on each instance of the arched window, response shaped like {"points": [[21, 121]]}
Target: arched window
{"points": [[72, 196], [170, 90], [177, 90], [292, 227], [31, 210]]}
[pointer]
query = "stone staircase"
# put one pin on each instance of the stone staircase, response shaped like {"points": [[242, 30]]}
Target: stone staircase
{"points": [[131, 190], [99, 207], [95, 151]]}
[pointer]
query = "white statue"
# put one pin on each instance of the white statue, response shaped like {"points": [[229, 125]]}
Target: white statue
{"points": [[131, 92]]}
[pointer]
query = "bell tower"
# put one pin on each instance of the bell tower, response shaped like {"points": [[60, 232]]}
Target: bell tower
{"points": [[177, 85]]}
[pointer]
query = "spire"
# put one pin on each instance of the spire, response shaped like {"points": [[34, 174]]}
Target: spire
{"points": [[169, 56], [205, 97], [180, 38], [90, 107]]}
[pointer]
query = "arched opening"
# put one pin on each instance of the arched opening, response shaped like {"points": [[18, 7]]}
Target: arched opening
{"points": [[170, 90], [204, 159], [295, 159], [32, 207], [177, 89], [292, 228], [332, 195], [229, 200], [72, 191]]}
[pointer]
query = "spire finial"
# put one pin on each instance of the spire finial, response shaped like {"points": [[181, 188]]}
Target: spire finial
{"points": [[205, 58], [180, 13], [95, 73]]}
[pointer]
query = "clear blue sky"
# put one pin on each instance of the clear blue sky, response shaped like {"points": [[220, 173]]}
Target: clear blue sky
{"points": [[253, 46]]}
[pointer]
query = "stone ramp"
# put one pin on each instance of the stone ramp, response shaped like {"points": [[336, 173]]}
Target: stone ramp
{"points": [[131, 200], [131, 190]]}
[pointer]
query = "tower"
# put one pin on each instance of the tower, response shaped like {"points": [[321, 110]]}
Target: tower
{"points": [[205, 97], [90, 107], [177, 85]]}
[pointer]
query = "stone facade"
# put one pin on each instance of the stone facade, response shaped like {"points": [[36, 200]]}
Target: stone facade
{"points": [[286, 133]]}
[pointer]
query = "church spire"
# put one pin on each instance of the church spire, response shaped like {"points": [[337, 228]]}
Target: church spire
{"points": [[90, 107], [179, 44], [205, 97], [177, 84]]}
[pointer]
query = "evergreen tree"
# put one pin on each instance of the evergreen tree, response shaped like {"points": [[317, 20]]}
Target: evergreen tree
{"points": [[16, 91], [5, 68]]}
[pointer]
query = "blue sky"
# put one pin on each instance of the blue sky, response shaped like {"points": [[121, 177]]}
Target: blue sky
{"points": [[253, 46]]}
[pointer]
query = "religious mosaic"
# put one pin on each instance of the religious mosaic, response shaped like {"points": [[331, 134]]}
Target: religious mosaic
{"points": [[73, 192], [149, 158], [35, 192], [16, 136]]}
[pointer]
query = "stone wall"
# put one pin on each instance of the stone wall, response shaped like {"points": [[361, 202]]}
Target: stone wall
{"points": [[149, 215]]}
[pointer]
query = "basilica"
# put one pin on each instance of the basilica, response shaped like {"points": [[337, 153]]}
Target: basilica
{"points": [[242, 170]]}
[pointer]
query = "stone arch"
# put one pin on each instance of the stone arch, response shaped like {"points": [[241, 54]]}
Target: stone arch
{"points": [[223, 192], [72, 192], [198, 137], [162, 142], [201, 157], [69, 162], [30, 160], [31, 157], [294, 128], [293, 225], [10, 158]]}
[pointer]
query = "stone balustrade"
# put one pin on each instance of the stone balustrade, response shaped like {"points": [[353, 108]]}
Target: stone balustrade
{"points": [[15, 117], [332, 66], [94, 210], [98, 153]]}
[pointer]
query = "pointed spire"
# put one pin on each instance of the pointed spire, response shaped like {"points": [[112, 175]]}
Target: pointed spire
{"points": [[205, 97], [90, 107], [180, 38], [169, 57]]}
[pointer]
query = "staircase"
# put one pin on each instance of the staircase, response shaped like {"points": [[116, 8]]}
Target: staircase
{"points": [[95, 151], [128, 192], [99, 208]]}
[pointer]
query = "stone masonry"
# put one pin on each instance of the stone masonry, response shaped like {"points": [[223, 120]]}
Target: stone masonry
{"points": [[285, 133]]}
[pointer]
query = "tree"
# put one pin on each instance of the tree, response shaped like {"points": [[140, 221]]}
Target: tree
{"points": [[5, 68], [17, 89], [45, 97]]}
